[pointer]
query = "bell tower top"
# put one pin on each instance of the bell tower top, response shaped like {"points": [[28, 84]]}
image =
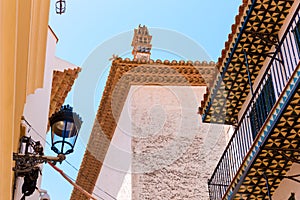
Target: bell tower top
{"points": [[141, 43]]}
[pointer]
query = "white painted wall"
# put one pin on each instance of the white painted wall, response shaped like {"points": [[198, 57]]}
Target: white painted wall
{"points": [[151, 112], [115, 176]]}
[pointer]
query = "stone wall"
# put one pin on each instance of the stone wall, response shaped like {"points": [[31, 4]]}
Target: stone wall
{"points": [[174, 154]]}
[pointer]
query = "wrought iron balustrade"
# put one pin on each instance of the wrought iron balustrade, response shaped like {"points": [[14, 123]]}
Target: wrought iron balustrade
{"points": [[278, 71]]}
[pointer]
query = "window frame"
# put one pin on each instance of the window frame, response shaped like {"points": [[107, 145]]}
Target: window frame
{"points": [[296, 32]]}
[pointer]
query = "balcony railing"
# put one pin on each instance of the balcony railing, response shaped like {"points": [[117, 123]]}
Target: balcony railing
{"points": [[280, 68]]}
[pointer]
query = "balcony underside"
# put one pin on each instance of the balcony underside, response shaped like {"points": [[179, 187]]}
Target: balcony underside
{"points": [[257, 34], [275, 149]]}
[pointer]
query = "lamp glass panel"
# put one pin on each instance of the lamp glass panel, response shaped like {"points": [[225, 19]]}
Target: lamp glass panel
{"points": [[63, 146], [64, 135], [63, 129]]}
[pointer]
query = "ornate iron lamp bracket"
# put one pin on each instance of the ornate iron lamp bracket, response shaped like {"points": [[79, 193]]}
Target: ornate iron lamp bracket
{"points": [[33, 156]]}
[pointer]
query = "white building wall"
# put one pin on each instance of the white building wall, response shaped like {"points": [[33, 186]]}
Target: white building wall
{"points": [[174, 153], [161, 149], [114, 179]]}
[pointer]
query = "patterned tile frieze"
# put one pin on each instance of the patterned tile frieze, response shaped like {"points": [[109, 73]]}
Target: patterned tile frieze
{"points": [[274, 151], [255, 34]]}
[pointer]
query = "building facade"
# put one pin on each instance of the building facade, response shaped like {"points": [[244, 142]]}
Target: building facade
{"points": [[59, 76], [23, 24], [257, 90], [149, 108], [34, 83]]}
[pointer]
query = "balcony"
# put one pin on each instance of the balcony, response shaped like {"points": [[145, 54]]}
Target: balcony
{"points": [[269, 91]]}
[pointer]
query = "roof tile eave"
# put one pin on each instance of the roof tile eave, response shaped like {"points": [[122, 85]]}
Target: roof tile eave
{"points": [[62, 83], [165, 62], [120, 68], [222, 59]]}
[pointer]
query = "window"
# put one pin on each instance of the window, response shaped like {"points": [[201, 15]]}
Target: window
{"points": [[262, 107], [297, 34]]}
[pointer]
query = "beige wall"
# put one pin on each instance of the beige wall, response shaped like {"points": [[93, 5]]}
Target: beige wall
{"points": [[23, 34], [36, 108], [288, 186]]}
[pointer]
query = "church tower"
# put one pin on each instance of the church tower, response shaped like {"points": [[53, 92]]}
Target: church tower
{"points": [[141, 43]]}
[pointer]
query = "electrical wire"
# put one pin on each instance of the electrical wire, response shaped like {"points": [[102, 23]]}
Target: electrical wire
{"points": [[86, 178], [90, 182], [75, 181], [87, 194], [31, 128]]}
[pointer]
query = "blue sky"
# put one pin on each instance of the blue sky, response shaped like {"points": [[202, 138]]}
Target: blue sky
{"points": [[94, 24]]}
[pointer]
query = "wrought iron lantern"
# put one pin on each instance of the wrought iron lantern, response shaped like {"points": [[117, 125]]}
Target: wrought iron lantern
{"points": [[65, 126], [60, 6]]}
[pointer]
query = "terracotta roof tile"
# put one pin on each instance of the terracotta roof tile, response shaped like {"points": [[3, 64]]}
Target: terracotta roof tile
{"points": [[62, 82], [238, 20], [130, 72]]}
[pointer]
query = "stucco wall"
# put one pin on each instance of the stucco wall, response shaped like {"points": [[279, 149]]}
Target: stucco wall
{"points": [[160, 148], [174, 154]]}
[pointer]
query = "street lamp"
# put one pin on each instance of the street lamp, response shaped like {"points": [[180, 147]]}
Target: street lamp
{"points": [[60, 6], [65, 125]]}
